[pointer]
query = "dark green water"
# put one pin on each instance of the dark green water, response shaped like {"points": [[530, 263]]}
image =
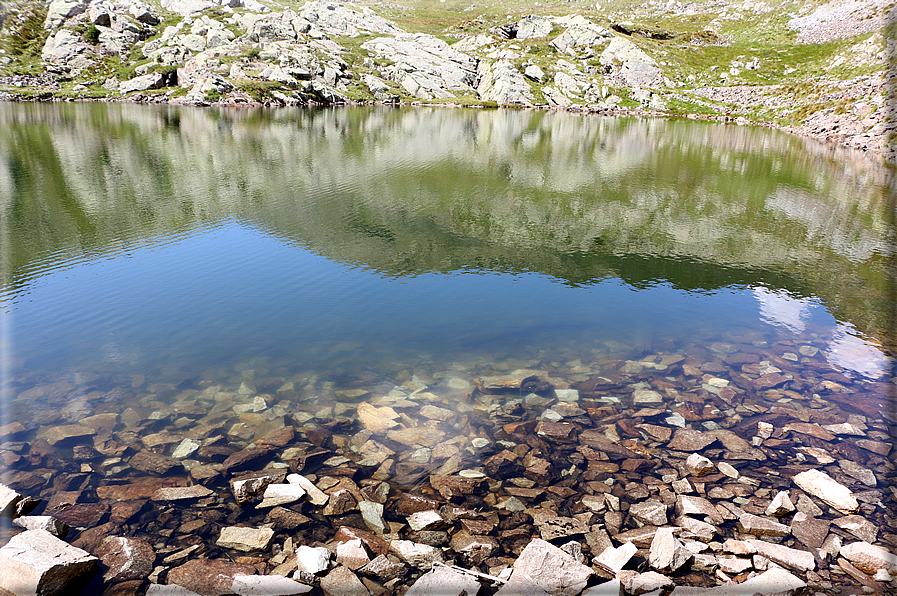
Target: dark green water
{"points": [[148, 247]]}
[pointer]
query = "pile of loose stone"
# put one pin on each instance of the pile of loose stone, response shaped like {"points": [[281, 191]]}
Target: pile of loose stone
{"points": [[730, 470]]}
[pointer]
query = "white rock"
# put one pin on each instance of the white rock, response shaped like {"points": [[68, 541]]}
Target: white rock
{"points": [[267, 585], [312, 559], [667, 554], [443, 581], [36, 562], [551, 570], [185, 449], [781, 505], [8, 501], [788, 557], [869, 558], [425, 520], [43, 522], [614, 558], [315, 495], [421, 556], [698, 465], [281, 494], [821, 485], [245, 539]]}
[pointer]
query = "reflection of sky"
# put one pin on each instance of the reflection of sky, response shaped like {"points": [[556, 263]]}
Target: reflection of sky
{"points": [[780, 309], [846, 348]]}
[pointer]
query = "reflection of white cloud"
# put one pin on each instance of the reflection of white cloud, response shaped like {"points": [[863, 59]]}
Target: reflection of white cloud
{"points": [[848, 350], [782, 310]]}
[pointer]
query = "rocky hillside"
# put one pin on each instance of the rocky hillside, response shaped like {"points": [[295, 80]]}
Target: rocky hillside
{"points": [[818, 70]]}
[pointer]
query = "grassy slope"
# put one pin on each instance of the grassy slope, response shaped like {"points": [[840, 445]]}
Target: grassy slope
{"points": [[800, 68]]}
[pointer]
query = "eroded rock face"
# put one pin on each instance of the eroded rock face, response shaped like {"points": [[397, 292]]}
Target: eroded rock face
{"points": [[424, 65]]}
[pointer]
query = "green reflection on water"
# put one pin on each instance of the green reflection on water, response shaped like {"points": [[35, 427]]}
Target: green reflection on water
{"points": [[406, 192]]}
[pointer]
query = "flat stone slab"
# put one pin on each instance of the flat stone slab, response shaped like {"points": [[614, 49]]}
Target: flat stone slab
{"points": [[824, 487], [245, 539], [774, 581], [36, 562], [550, 568], [267, 585], [442, 581], [181, 493]]}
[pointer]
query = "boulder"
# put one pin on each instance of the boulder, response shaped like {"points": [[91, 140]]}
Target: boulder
{"points": [[549, 568], [626, 62], [36, 562], [502, 83], [442, 581]]}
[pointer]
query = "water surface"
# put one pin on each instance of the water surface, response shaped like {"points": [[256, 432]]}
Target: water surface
{"points": [[155, 246]]}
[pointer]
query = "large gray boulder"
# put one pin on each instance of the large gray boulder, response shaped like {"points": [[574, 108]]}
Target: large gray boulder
{"points": [[424, 65], [546, 568], [36, 562], [60, 10], [502, 83], [630, 65], [336, 19], [65, 49]]}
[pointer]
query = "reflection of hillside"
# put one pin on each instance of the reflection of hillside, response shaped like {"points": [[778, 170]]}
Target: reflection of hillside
{"points": [[410, 191]]}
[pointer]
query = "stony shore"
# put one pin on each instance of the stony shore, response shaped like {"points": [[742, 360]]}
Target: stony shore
{"points": [[204, 52], [733, 468]]}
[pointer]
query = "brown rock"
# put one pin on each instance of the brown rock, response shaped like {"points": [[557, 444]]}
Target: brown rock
{"points": [[375, 544], [813, 430], [689, 440], [408, 504], [340, 503], [128, 588], [453, 487], [82, 515], [123, 511], [878, 447], [278, 438], [418, 435], [810, 530], [557, 432], [475, 549], [770, 380], [209, 577], [520, 428], [142, 489], [154, 463], [91, 538], [286, 519], [693, 505], [126, 559], [246, 458], [596, 441]]}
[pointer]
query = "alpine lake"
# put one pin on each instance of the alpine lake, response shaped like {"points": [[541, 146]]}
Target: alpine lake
{"points": [[465, 329]]}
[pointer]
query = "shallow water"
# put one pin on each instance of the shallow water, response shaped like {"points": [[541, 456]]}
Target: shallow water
{"points": [[193, 245], [181, 287]]}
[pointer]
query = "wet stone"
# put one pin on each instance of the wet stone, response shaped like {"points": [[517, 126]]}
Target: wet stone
{"points": [[824, 487], [810, 531], [561, 527], [208, 577], [154, 463], [181, 493], [126, 558], [474, 549], [43, 522], [341, 581], [36, 562], [864, 475], [245, 539], [690, 440], [760, 526], [858, 526], [780, 505], [650, 512]]}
